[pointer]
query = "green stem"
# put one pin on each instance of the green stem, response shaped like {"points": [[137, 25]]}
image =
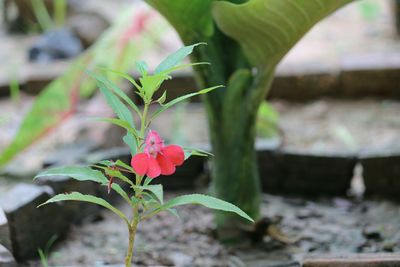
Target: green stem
{"points": [[136, 216], [132, 234]]}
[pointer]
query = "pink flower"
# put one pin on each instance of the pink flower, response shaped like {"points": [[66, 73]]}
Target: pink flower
{"points": [[157, 158]]}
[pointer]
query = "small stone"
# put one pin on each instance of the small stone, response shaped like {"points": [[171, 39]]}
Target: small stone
{"points": [[4, 230], [31, 227], [6, 258], [55, 45], [388, 246], [180, 259], [372, 232]]}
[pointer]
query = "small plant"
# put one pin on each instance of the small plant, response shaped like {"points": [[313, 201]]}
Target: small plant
{"points": [[150, 156], [44, 253]]}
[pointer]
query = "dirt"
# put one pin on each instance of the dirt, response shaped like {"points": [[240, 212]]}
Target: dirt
{"points": [[320, 227]]}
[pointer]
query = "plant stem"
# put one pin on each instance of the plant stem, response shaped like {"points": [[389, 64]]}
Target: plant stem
{"points": [[144, 119], [132, 234]]}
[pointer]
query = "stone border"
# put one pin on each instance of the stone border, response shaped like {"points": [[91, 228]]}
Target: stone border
{"points": [[355, 76]]}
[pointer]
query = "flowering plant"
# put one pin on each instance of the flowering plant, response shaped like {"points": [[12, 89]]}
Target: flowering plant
{"points": [[150, 156]]}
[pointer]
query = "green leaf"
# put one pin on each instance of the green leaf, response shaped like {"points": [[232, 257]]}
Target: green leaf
{"points": [[174, 212], [162, 98], [267, 121], [123, 165], [118, 174], [117, 188], [151, 83], [183, 98], [142, 67], [112, 86], [77, 173], [183, 66], [268, 29], [120, 123], [196, 152], [130, 140], [157, 190], [189, 18], [119, 108], [207, 201], [175, 58], [76, 196]]}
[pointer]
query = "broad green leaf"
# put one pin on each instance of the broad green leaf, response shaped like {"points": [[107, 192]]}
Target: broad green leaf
{"points": [[76, 196], [119, 108], [77, 173], [207, 201], [268, 29], [183, 98], [175, 58], [189, 18], [130, 140]]}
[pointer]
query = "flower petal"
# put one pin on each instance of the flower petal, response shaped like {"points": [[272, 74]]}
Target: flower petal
{"points": [[174, 153], [167, 167], [140, 163], [154, 142], [154, 169]]}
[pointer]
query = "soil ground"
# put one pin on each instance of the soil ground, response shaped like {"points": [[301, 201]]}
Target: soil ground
{"points": [[320, 227]]}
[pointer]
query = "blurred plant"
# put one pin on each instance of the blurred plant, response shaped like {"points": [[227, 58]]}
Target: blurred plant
{"points": [[342, 133], [369, 9], [28, 15], [58, 101], [15, 90], [44, 253], [42, 15], [150, 156], [246, 40], [267, 121]]}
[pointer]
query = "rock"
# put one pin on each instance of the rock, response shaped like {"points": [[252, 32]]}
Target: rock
{"points": [[6, 258], [55, 45], [295, 172], [4, 230], [354, 260], [381, 174], [32, 227], [88, 26]]}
